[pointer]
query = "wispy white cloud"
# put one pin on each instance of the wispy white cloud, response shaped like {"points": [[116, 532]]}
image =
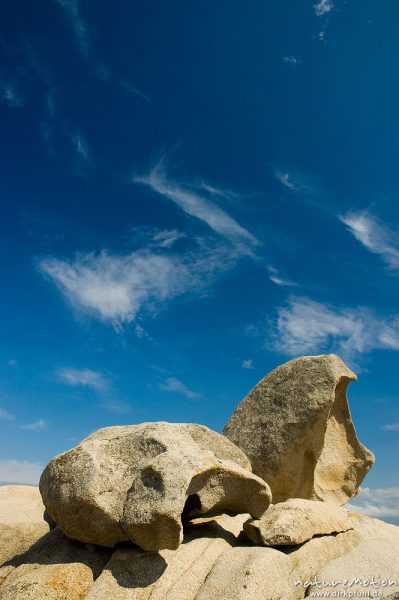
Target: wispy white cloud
{"points": [[116, 407], [391, 426], [81, 146], [377, 502], [375, 235], [11, 95], [82, 377], [5, 415], [323, 7], [292, 181], [35, 426], [197, 205], [107, 77], [291, 60], [275, 277], [132, 89], [71, 10], [280, 281], [115, 288], [20, 472], [175, 385], [12, 362], [168, 237], [304, 326], [248, 363]]}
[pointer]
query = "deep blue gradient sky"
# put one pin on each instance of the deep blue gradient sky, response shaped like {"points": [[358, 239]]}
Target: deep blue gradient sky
{"points": [[193, 193]]}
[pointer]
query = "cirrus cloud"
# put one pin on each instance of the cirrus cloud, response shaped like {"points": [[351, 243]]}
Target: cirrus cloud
{"points": [[303, 325]]}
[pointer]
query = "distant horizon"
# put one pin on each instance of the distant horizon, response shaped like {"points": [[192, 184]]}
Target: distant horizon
{"points": [[193, 194]]}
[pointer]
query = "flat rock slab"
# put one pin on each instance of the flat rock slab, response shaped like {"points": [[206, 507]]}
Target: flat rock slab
{"points": [[213, 563], [295, 521], [371, 566], [295, 426], [22, 520]]}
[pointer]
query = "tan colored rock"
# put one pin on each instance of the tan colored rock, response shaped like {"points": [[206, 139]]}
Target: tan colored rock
{"points": [[54, 568], [133, 574], [22, 520], [295, 521], [52, 582], [295, 426], [371, 566], [309, 558], [249, 574], [137, 482], [211, 564]]}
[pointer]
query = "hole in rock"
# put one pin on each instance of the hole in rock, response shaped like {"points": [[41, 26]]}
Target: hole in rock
{"points": [[191, 508]]}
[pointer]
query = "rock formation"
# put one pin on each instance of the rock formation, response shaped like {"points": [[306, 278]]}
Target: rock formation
{"points": [[296, 428], [215, 562], [354, 571], [160, 484], [137, 482], [22, 520], [295, 521]]}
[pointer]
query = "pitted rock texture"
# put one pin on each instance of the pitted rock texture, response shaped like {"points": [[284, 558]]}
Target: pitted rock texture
{"points": [[295, 426], [138, 482], [370, 561], [295, 521], [215, 562]]}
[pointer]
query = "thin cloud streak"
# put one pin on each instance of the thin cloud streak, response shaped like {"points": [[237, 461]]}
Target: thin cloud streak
{"points": [[71, 9], [5, 415], [105, 75], [35, 426], [375, 235], [391, 426], [175, 385], [81, 146], [82, 377], [200, 207], [11, 95], [293, 181], [275, 277]]}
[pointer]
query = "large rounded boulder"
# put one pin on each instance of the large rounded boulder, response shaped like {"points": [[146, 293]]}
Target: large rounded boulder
{"points": [[140, 482]]}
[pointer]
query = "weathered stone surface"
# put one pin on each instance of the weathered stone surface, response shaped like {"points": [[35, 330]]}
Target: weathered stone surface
{"points": [[54, 568], [52, 582], [213, 563], [296, 428], [295, 521], [132, 574], [247, 574], [369, 560], [22, 520], [135, 482], [308, 559]]}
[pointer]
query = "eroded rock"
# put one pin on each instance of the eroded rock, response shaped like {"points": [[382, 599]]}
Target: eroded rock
{"points": [[54, 568], [137, 482], [369, 567], [22, 519], [295, 426], [295, 521], [132, 574]]}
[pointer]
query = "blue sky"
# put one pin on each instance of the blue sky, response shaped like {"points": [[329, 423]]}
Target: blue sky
{"points": [[192, 194]]}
